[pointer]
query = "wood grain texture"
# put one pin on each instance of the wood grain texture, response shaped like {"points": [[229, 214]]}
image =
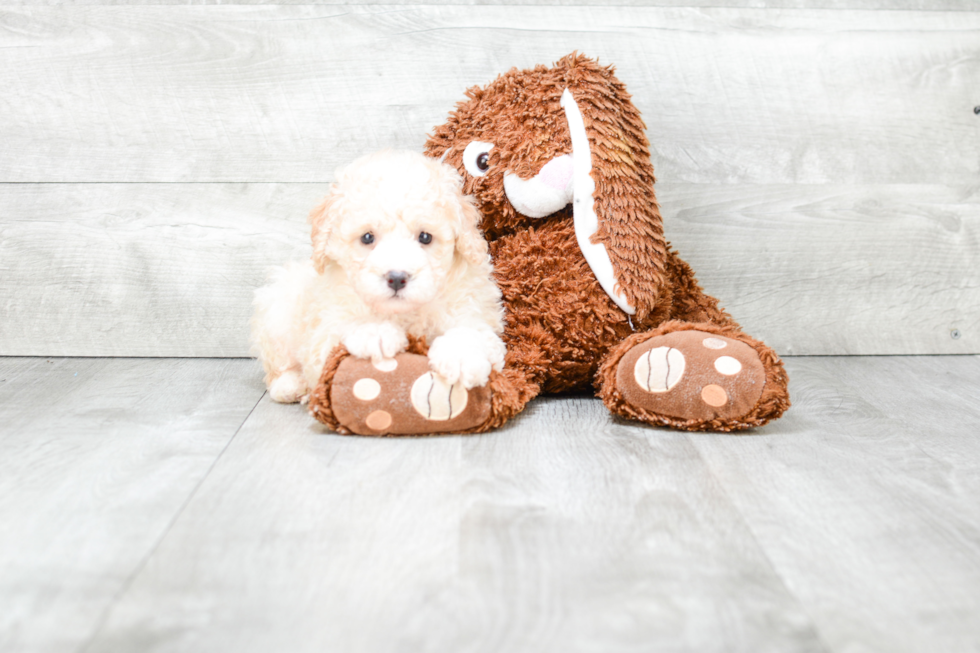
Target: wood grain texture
{"points": [[169, 269], [286, 93], [142, 269], [849, 525], [819, 166], [838, 269], [563, 532], [888, 5], [97, 457], [864, 498]]}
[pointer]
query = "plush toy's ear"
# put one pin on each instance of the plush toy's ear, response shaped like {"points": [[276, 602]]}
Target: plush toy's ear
{"points": [[629, 222], [323, 219]]}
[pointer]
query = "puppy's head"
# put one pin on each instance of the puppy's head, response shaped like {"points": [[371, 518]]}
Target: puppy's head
{"points": [[400, 227]]}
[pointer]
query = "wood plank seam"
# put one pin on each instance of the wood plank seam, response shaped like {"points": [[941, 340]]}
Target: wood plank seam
{"points": [[758, 543], [97, 628]]}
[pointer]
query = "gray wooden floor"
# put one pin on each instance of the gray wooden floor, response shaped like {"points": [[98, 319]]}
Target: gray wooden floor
{"points": [[167, 505]]}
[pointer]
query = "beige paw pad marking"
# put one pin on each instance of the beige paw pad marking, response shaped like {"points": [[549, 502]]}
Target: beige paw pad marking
{"points": [[714, 395], [435, 399], [728, 366], [659, 369], [714, 343], [379, 420], [367, 389], [386, 365]]}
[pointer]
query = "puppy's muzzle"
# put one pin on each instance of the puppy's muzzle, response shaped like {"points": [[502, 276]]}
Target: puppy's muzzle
{"points": [[396, 279]]}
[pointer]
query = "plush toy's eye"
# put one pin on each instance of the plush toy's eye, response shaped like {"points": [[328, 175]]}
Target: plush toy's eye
{"points": [[367, 238], [476, 158], [425, 238]]}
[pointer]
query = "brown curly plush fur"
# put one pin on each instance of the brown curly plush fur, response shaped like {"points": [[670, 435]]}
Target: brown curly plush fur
{"points": [[319, 405], [563, 332], [632, 230]]}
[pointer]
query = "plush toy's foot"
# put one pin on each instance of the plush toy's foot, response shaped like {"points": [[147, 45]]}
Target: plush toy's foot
{"points": [[402, 397], [695, 377]]}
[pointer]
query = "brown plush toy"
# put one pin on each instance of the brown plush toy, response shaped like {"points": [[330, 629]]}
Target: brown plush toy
{"points": [[594, 296]]}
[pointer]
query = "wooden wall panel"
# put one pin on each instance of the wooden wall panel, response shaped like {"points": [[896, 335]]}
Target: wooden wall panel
{"points": [[838, 269], [197, 94], [919, 5], [817, 167], [169, 269], [141, 269]]}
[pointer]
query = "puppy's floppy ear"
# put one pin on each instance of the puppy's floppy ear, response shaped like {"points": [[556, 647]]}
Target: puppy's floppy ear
{"points": [[323, 219], [470, 243]]}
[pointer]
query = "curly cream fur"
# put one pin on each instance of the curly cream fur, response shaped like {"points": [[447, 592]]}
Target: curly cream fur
{"points": [[340, 296]]}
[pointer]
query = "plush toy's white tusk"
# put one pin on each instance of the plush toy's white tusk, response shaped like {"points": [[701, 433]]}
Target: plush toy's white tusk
{"points": [[548, 191], [583, 210]]}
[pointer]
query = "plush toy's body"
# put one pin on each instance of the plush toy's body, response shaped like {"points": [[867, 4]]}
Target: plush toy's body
{"points": [[594, 297], [561, 329]]}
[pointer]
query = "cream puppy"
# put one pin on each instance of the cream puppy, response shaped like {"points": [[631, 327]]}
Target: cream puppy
{"points": [[396, 251]]}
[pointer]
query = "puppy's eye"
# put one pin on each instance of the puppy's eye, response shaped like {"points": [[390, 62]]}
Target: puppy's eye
{"points": [[367, 238], [425, 238], [476, 158]]}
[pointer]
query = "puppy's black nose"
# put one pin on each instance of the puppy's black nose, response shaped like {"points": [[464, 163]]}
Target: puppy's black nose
{"points": [[396, 279]]}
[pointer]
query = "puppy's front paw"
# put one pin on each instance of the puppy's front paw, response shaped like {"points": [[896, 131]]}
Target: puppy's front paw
{"points": [[466, 355], [377, 341]]}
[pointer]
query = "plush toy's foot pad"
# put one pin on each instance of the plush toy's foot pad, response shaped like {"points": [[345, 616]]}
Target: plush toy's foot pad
{"points": [[692, 375], [401, 396]]}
